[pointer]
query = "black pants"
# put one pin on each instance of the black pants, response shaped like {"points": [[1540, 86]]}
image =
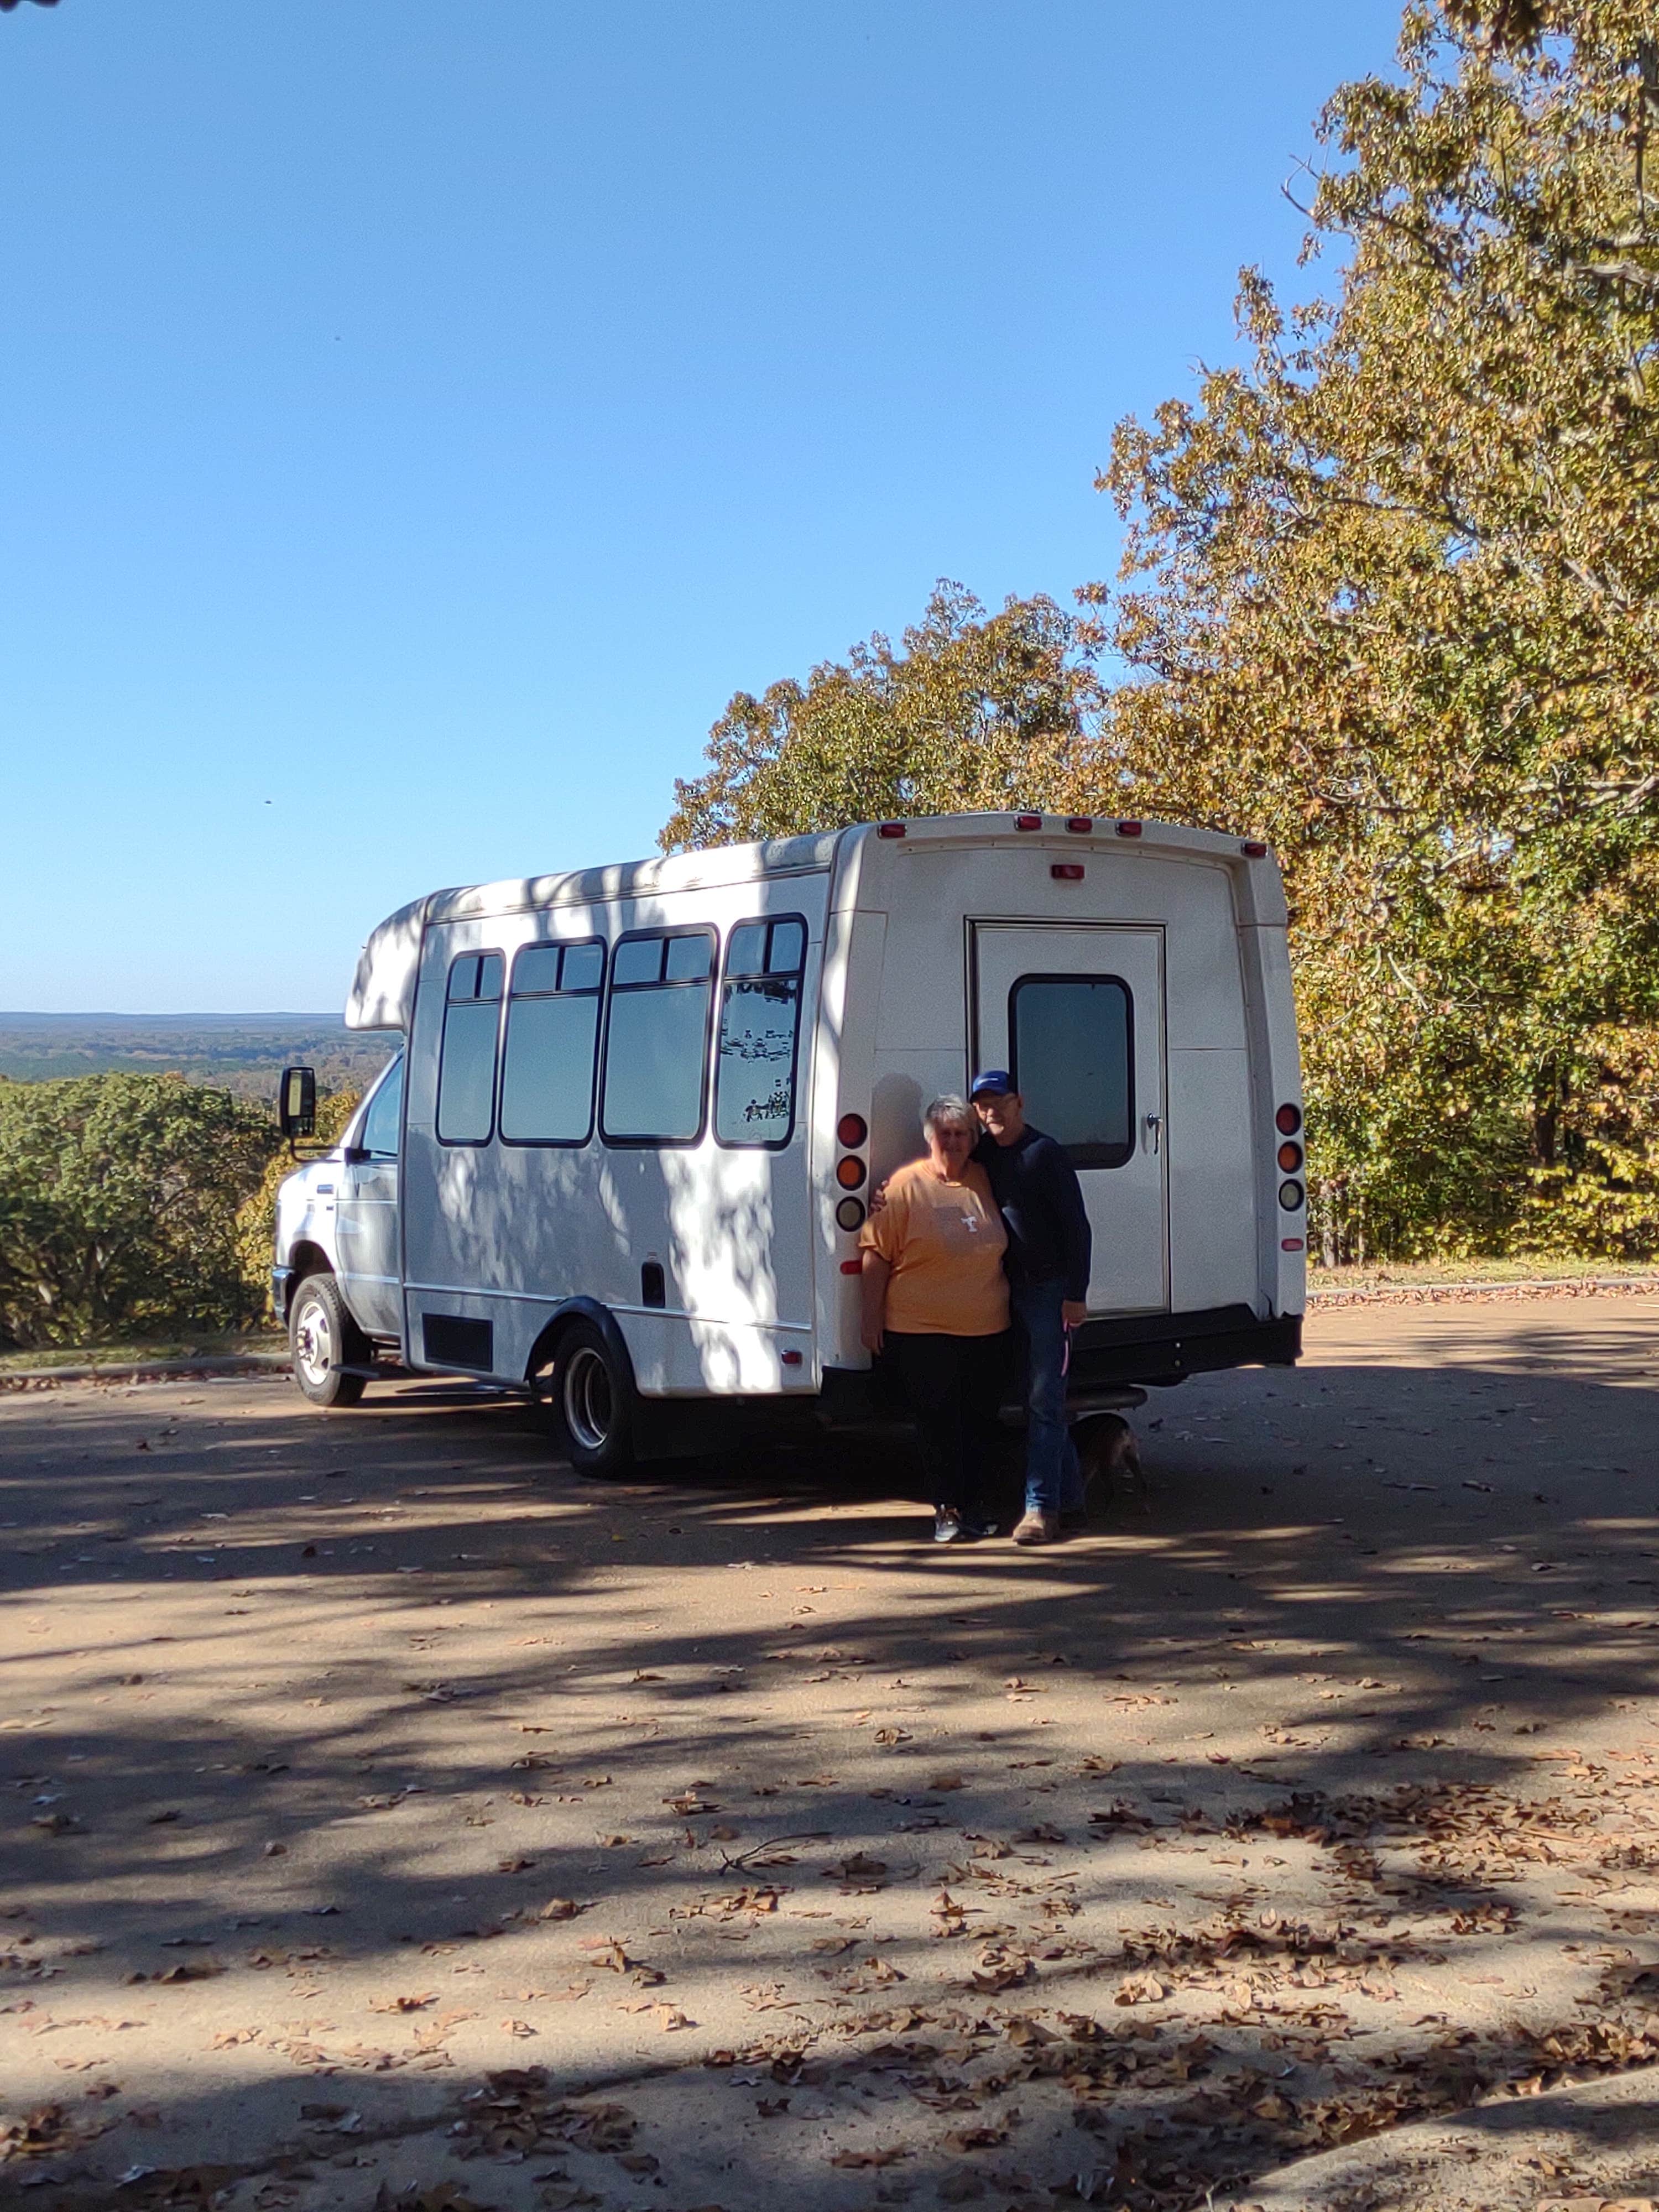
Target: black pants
{"points": [[952, 1388]]}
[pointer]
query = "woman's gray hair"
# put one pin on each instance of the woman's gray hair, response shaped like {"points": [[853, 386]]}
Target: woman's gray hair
{"points": [[952, 1106]]}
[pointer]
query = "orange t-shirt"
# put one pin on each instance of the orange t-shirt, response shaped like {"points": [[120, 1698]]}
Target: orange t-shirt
{"points": [[945, 1242]]}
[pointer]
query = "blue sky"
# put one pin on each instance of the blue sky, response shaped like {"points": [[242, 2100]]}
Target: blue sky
{"points": [[419, 419]]}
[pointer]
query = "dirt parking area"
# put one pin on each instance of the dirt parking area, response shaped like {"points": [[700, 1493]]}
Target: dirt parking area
{"points": [[393, 1817]]}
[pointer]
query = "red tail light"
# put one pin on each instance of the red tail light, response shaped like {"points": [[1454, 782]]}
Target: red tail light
{"points": [[1288, 1121], [1079, 824], [850, 1129], [1128, 829], [1028, 822]]}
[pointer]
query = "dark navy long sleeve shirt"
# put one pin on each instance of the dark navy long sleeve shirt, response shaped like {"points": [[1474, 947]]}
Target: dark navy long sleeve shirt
{"points": [[1041, 1202]]}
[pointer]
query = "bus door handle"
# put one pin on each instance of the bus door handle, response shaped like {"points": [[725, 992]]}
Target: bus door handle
{"points": [[1155, 1131]]}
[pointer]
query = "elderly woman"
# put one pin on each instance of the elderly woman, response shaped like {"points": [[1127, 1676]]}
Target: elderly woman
{"points": [[936, 1302]]}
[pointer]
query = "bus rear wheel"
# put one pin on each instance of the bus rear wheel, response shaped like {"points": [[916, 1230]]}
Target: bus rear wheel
{"points": [[321, 1333], [591, 1397]]}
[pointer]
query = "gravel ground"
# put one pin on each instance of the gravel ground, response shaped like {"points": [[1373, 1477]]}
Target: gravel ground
{"points": [[392, 1816]]}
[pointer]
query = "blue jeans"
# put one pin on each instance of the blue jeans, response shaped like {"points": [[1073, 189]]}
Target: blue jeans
{"points": [[1054, 1479]]}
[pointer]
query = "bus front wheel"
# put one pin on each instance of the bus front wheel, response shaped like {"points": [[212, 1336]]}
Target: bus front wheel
{"points": [[321, 1333]]}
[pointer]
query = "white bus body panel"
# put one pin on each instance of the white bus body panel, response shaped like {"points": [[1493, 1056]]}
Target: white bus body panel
{"points": [[915, 943], [505, 1233]]}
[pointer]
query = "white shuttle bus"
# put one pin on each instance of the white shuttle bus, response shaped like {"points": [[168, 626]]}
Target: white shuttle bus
{"points": [[622, 1154]]}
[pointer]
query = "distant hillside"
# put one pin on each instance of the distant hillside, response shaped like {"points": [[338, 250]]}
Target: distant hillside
{"points": [[243, 1053]]}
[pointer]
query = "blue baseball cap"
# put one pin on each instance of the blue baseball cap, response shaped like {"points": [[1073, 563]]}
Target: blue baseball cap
{"points": [[992, 1083]]}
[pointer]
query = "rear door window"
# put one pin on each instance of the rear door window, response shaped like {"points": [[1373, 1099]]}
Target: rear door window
{"points": [[467, 1060], [1071, 1040]]}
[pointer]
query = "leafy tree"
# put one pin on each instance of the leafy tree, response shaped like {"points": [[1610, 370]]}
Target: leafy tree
{"points": [[256, 1223], [117, 1206], [1393, 598], [974, 710]]}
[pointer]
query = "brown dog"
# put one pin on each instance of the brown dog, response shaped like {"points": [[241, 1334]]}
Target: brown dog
{"points": [[1111, 1459]]}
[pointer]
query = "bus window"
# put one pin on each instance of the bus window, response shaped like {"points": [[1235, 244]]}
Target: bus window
{"points": [[467, 1060], [760, 1022], [379, 1135], [552, 1044], [656, 1038], [1073, 1051]]}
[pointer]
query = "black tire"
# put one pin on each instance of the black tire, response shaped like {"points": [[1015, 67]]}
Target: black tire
{"points": [[589, 1394], [321, 1334]]}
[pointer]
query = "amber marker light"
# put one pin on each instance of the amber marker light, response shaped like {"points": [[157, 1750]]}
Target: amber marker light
{"points": [[849, 1172], [1290, 1158]]}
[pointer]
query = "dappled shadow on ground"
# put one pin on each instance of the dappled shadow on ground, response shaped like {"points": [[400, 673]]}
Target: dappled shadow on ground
{"points": [[1367, 1656]]}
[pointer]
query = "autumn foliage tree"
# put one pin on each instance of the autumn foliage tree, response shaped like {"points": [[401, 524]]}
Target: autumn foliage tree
{"points": [[970, 710], [1389, 588], [1390, 595]]}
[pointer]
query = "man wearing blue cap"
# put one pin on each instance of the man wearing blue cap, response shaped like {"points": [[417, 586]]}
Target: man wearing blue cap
{"points": [[1049, 1243]]}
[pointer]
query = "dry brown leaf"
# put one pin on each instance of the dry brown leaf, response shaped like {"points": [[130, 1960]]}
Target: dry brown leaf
{"points": [[1000, 1967]]}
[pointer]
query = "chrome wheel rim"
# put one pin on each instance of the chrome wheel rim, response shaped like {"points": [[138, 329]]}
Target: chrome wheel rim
{"points": [[313, 1342], [586, 1399]]}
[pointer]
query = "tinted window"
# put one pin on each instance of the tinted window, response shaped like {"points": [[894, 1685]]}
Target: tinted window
{"points": [[656, 1043], [552, 1034], [466, 1064], [1073, 1063], [760, 1022], [637, 960], [382, 1122]]}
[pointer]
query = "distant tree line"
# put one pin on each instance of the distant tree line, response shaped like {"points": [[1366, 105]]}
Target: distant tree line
{"points": [[1389, 596]]}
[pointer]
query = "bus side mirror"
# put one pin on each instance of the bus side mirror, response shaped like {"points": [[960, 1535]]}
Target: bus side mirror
{"points": [[296, 1102]]}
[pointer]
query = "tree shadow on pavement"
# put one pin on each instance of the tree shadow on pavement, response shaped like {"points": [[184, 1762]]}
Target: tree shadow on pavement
{"points": [[354, 1705]]}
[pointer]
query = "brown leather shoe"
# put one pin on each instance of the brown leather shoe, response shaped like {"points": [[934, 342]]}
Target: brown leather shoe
{"points": [[1038, 1528]]}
